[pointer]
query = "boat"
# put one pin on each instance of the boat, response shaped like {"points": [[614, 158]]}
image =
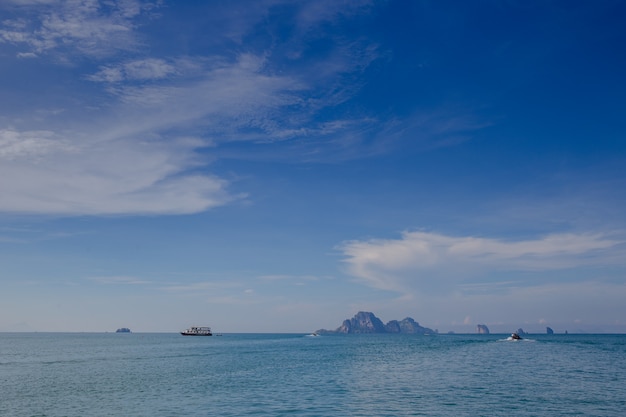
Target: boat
{"points": [[197, 331], [515, 336]]}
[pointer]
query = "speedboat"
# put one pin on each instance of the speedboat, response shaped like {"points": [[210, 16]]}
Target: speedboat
{"points": [[515, 336]]}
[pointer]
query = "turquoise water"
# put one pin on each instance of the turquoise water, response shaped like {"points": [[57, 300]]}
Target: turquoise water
{"points": [[54, 374]]}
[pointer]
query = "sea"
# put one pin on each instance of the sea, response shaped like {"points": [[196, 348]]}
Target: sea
{"points": [[144, 374]]}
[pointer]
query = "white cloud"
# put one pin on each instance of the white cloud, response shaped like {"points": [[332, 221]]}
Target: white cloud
{"points": [[31, 2], [204, 287], [420, 261], [120, 153], [119, 280], [144, 69], [226, 99], [41, 173], [295, 279], [26, 55], [89, 27], [126, 158], [315, 12], [30, 144]]}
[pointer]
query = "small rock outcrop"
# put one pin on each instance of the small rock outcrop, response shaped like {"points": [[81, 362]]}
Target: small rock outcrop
{"points": [[549, 330], [365, 322], [520, 331], [482, 329]]}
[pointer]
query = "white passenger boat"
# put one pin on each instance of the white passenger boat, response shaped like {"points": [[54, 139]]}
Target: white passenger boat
{"points": [[197, 331]]}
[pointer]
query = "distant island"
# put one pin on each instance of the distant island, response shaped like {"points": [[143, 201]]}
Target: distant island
{"points": [[365, 322], [482, 329], [123, 330]]}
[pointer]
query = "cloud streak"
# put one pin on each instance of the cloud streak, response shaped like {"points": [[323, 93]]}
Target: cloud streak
{"points": [[142, 69], [135, 156], [421, 261], [89, 27], [119, 280], [41, 173]]}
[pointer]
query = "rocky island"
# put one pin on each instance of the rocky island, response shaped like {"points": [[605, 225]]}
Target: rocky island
{"points": [[365, 322]]}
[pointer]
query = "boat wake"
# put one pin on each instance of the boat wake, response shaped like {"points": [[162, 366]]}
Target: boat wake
{"points": [[511, 339]]}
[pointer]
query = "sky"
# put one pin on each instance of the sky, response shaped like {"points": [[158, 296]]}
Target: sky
{"points": [[278, 166]]}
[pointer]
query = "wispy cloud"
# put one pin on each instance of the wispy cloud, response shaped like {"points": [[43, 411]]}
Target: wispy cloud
{"points": [[295, 279], [143, 69], [30, 144], [202, 287], [228, 99], [138, 145], [88, 27], [315, 12], [41, 173], [421, 261], [119, 280], [135, 156]]}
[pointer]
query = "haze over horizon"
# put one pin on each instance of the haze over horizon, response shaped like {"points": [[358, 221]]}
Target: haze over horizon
{"points": [[278, 166]]}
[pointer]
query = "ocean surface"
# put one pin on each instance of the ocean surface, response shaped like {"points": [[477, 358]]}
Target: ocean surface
{"points": [[109, 374]]}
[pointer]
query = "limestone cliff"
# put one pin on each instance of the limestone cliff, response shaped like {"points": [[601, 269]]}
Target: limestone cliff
{"points": [[408, 325], [482, 329], [366, 322]]}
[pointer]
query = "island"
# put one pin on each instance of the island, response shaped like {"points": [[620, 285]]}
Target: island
{"points": [[482, 329], [365, 322], [123, 330]]}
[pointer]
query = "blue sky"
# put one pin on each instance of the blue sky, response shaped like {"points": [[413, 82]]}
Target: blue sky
{"points": [[277, 166]]}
